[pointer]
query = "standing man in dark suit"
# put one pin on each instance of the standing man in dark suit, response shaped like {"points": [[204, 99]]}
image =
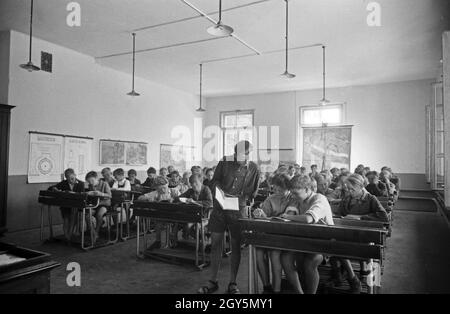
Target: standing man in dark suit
{"points": [[236, 176]]}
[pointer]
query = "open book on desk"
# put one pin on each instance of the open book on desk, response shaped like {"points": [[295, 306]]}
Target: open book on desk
{"points": [[227, 202]]}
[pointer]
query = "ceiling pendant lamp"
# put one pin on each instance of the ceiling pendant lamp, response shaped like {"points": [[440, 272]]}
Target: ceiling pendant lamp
{"points": [[220, 30], [324, 101], [29, 66], [286, 73], [200, 109], [133, 93]]}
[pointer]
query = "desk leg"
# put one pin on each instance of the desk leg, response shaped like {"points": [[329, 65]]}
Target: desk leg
{"points": [[255, 272], [50, 221], [137, 236], [197, 243], [251, 289], [203, 242], [42, 224], [83, 227]]}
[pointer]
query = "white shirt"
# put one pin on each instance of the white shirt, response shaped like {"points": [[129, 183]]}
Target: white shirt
{"points": [[125, 185]]}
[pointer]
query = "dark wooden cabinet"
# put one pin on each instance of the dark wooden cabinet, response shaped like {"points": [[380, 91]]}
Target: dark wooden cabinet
{"points": [[5, 120]]}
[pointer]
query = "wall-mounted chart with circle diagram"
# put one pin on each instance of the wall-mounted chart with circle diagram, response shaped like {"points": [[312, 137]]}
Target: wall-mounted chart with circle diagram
{"points": [[45, 162]]}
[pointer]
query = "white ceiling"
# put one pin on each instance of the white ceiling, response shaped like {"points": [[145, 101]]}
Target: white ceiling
{"points": [[406, 46]]}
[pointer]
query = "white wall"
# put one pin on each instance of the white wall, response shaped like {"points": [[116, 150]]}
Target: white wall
{"points": [[83, 98], [388, 119], [80, 98]]}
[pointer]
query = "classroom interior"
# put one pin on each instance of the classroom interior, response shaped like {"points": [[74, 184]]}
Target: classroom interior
{"points": [[383, 66]]}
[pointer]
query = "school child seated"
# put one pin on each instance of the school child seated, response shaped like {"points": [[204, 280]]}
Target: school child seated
{"points": [[97, 188], [134, 182], [265, 183], [121, 183], [163, 172], [323, 185], [384, 177], [198, 193], [209, 174], [291, 171], [335, 172], [162, 194], [297, 169], [184, 183], [174, 180], [361, 203], [70, 184], [393, 178], [303, 171], [313, 208], [275, 205], [314, 171], [375, 186], [107, 176], [151, 176], [196, 170]]}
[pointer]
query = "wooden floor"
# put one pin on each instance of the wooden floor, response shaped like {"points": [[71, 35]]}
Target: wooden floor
{"points": [[417, 261]]}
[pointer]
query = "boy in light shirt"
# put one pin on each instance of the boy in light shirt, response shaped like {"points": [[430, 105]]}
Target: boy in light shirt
{"points": [[313, 208]]}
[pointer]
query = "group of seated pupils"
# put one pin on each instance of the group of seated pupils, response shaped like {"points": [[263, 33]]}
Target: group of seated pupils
{"points": [[289, 193], [316, 198], [167, 186]]}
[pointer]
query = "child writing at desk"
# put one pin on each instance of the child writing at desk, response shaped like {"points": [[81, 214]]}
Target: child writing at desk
{"points": [[162, 194], [198, 194], [70, 184], [362, 205], [101, 189], [274, 206], [313, 208]]}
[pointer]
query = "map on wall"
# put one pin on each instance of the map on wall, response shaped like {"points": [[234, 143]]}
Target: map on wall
{"points": [[178, 156], [136, 154], [327, 147], [45, 159], [112, 153], [270, 159], [78, 154], [116, 153]]}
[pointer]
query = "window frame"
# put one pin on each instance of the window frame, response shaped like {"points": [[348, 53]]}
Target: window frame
{"points": [[302, 109], [223, 129]]}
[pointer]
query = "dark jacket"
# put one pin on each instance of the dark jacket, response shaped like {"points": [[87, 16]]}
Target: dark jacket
{"points": [[235, 179], [368, 207], [64, 186], [377, 189], [204, 197]]}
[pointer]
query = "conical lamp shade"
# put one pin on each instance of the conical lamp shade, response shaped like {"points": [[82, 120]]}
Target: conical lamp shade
{"points": [[29, 66], [220, 30]]}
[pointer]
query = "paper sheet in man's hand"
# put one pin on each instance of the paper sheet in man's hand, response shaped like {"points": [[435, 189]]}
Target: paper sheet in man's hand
{"points": [[226, 202]]}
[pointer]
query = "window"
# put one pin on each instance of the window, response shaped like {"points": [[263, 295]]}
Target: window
{"points": [[435, 139], [330, 114], [236, 126]]}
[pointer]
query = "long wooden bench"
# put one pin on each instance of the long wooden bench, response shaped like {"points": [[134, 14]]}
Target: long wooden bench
{"points": [[173, 213], [352, 242]]}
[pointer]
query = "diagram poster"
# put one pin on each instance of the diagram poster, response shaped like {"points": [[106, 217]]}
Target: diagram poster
{"points": [[45, 160], [78, 155]]}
